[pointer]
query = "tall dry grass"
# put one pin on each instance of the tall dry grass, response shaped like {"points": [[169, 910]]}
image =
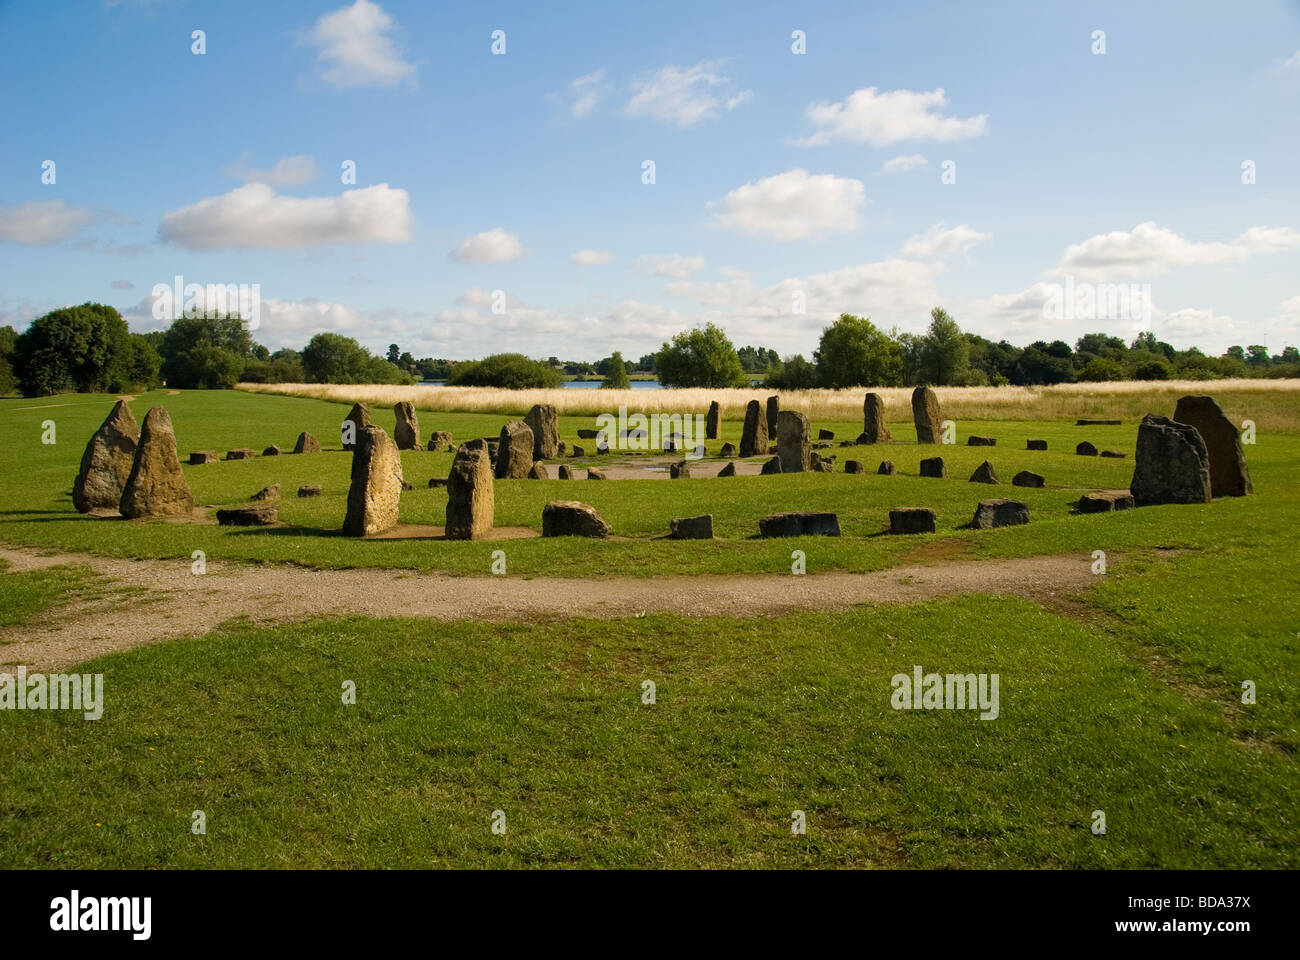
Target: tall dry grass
{"points": [[1272, 404]]}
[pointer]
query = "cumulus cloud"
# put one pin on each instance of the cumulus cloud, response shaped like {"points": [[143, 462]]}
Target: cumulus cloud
{"points": [[42, 222], [490, 246], [904, 164], [590, 258], [586, 92], [670, 265], [683, 96], [287, 172], [255, 217], [938, 241], [868, 116], [1290, 67], [357, 49], [792, 206], [1149, 249]]}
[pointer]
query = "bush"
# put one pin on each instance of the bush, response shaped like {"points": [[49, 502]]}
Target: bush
{"points": [[509, 371], [1101, 370], [85, 348], [1152, 370], [616, 374], [702, 357], [853, 353]]}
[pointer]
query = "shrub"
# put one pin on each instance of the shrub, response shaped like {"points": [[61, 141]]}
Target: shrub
{"points": [[509, 371]]}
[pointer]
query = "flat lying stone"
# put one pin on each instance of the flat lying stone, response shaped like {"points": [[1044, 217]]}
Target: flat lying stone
{"points": [[1097, 423], [680, 470], [271, 492], [728, 450], [771, 466], [436, 482], [728, 470], [252, 515], [981, 442], [568, 518], [984, 474], [853, 466], [825, 435], [565, 473], [1000, 513], [578, 451], [271, 451], [911, 520], [1106, 501], [692, 528], [1035, 444], [594, 474], [886, 468], [1086, 449], [586, 434], [933, 467], [309, 490], [1027, 479], [198, 457], [1113, 454], [539, 472], [799, 524], [242, 453]]}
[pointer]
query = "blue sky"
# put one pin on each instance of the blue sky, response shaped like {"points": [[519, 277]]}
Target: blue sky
{"points": [[788, 187]]}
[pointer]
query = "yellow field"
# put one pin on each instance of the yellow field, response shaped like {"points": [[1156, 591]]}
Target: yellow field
{"points": [[1272, 404]]}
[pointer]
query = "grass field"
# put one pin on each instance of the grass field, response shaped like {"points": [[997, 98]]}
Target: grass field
{"points": [[1126, 699]]}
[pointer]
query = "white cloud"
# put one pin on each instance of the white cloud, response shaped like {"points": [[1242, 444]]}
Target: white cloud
{"points": [[1290, 67], [938, 241], [123, 285], [586, 92], [253, 216], [1149, 249], [868, 116], [590, 258], [684, 96], [904, 164], [490, 246], [41, 222], [670, 265], [1286, 325], [288, 172], [356, 49], [1190, 324], [792, 206]]}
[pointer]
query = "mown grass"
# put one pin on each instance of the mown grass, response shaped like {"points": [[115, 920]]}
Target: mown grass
{"points": [[38, 508], [1133, 711], [27, 594]]}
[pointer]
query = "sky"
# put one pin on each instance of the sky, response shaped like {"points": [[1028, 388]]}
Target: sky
{"points": [[469, 178]]}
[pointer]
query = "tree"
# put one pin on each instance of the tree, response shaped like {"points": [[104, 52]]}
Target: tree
{"points": [[205, 352], [616, 375], [945, 352], [1257, 355], [509, 371], [795, 373], [8, 382], [702, 357], [332, 358], [853, 353], [1100, 370], [84, 348], [394, 354], [1156, 368]]}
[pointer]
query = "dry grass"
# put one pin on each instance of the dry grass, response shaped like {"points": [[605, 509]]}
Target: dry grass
{"points": [[1272, 404]]}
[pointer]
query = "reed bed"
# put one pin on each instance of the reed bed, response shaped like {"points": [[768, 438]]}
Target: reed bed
{"points": [[1272, 404]]}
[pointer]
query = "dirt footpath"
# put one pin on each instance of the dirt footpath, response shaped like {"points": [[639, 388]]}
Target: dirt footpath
{"points": [[180, 603]]}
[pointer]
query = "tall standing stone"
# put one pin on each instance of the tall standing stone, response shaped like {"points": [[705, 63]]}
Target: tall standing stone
{"points": [[106, 462], [406, 432], [470, 498], [874, 427], [926, 415], [753, 438], [514, 451], [711, 421], [376, 489], [359, 417], [793, 447], [1172, 465], [156, 486], [773, 411], [544, 421], [1229, 475]]}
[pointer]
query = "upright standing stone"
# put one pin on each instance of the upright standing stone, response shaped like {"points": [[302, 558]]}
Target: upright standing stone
{"points": [[773, 411], [1172, 465], [376, 488], [359, 417], [926, 415], [544, 420], [1229, 475], [470, 497], [984, 473], [156, 486], [306, 444], [515, 451], [106, 462], [934, 467], [792, 444], [711, 421], [874, 427], [406, 432], [753, 438]]}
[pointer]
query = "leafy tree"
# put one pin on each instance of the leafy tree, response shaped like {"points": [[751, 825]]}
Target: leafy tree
{"points": [[853, 353], [8, 382], [1100, 370], [945, 352], [795, 373], [1236, 353], [333, 358], [1036, 365], [1100, 345], [144, 370], [702, 357], [205, 352], [394, 353], [646, 363], [1153, 369], [1257, 355], [84, 348], [616, 375], [510, 371]]}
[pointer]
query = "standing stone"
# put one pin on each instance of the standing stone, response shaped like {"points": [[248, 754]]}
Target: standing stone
{"points": [[792, 445], [376, 487], [271, 492], [886, 468], [1172, 465], [439, 440], [753, 438], [359, 417], [999, 513], [1085, 449], [773, 411], [984, 474], [874, 427], [568, 518], [539, 472], [306, 444], [470, 497], [934, 467], [711, 421], [544, 420], [771, 466], [565, 472], [514, 451], [728, 470], [406, 431], [578, 451], [106, 462], [852, 466], [728, 450], [271, 451], [1229, 475], [680, 470], [824, 434], [594, 474], [926, 415], [156, 486]]}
